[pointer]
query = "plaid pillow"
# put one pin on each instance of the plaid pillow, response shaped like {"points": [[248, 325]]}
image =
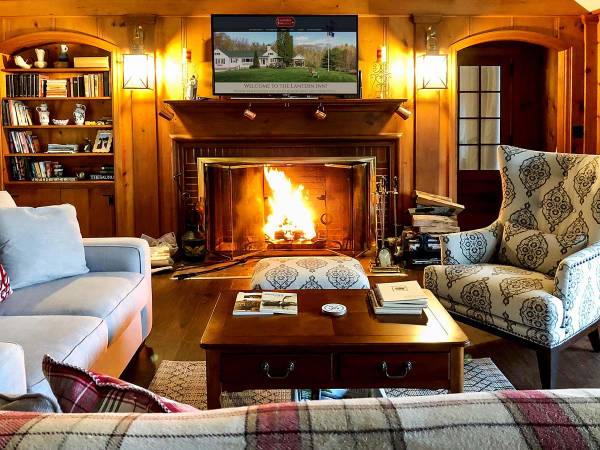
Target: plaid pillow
{"points": [[83, 391], [5, 289]]}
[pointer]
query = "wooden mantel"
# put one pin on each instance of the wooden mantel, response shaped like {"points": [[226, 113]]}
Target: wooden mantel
{"points": [[282, 117]]}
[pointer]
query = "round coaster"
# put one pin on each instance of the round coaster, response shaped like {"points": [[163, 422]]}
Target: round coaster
{"points": [[334, 309]]}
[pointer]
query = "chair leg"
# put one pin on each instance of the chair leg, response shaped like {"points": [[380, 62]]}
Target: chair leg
{"points": [[548, 366], [594, 338]]}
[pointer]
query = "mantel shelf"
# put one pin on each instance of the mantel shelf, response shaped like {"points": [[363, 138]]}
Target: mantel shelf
{"points": [[286, 104]]}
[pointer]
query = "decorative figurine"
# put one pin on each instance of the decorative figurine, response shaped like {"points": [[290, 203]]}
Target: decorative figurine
{"points": [[79, 114], [40, 54], [43, 114], [20, 62], [63, 57], [87, 148], [191, 88]]}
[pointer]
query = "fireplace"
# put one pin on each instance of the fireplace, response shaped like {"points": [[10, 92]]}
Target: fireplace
{"points": [[287, 204]]}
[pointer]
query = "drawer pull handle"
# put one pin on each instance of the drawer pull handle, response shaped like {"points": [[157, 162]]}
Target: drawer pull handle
{"points": [[407, 368], [266, 369]]}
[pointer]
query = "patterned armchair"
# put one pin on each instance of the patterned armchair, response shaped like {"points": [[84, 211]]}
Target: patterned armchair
{"points": [[534, 274]]}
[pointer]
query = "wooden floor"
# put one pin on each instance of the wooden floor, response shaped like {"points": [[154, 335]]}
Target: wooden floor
{"points": [[182, 308]]}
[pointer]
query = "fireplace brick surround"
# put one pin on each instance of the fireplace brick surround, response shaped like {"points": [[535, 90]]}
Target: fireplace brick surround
{"points": [[353, 129]]}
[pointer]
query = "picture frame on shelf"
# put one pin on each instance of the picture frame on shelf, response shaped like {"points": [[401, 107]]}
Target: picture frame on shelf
{"points": [[103, 143]]}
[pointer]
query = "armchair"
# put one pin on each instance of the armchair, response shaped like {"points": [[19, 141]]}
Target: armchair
{"points": [[533, 275]]}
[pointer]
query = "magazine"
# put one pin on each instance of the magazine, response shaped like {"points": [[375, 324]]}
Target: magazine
{"points": [[265, 303]]}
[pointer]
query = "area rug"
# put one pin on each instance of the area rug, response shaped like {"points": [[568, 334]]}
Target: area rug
{"points": [[185, 381]]}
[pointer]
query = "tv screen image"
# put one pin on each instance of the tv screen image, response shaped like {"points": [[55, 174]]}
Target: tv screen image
{"points": [[285, 55]]}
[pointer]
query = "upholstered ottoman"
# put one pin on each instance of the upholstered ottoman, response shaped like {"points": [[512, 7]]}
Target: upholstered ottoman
{"points": [[309, 272]]}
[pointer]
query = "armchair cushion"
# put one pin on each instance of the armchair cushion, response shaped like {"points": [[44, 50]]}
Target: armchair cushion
{"points": [[508, 298], [534, 250], [471, 247]]}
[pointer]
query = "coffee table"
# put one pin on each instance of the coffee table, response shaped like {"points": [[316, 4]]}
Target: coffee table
{"points": [[315, 351]]}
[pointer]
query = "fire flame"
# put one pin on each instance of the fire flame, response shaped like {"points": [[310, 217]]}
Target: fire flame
{"points": [[291, 218]]}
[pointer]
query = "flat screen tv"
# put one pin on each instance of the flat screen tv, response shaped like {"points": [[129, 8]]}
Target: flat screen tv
{"points": [[284, 55]]}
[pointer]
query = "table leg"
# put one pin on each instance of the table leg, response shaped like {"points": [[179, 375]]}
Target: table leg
{"points": [[213, 380], [457, 369]]}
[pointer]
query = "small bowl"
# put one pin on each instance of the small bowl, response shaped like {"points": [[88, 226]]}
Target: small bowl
{"points": [[60, 121]]}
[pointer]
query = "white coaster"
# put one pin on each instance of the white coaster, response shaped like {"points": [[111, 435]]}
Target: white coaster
{"points": [[334, 309]]}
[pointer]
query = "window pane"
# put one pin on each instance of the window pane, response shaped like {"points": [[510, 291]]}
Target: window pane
{"points": [[490, 131], [467, 129], [469, 78], [490, 105], [468, 105], [489, 160], [490, 78], [467, 157]]}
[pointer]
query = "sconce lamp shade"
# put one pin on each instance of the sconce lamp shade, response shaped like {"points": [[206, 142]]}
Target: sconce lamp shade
{"points": [[432, 71], [135, 71]]}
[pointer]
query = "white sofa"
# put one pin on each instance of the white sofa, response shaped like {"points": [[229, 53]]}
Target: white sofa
{"points": [[97, 320]]}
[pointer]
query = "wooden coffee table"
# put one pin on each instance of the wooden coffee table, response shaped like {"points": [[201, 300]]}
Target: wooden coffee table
{"points": [[312, 350]]}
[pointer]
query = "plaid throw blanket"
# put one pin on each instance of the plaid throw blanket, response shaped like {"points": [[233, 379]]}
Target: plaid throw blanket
{"points": [[511, 419]]}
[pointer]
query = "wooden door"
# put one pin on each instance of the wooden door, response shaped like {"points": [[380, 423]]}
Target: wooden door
{"points": [[501, 91]]}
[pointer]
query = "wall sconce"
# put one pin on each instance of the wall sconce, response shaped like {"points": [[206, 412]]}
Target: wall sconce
{"points": [[248, 113], [403, 112], [432, 67], [320, 113], [136, 65]]}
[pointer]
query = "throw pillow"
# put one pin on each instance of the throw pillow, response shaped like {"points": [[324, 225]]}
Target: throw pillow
{"points": [[83, 391], [40, 244], [534, 250], [5, 289]]}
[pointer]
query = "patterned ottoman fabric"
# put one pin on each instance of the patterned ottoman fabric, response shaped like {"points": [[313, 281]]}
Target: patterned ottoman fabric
{"points": [[309, 272], [511, 299]]}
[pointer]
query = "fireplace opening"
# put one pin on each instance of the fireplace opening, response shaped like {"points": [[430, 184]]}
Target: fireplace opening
{"points": [[287, 205]]}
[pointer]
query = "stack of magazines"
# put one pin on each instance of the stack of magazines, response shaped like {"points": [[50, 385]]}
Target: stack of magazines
{"points": [[265, 303], [405, 297]]}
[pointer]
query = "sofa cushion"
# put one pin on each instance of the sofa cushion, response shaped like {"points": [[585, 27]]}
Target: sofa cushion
{"points": [[84, 391], [309, 272], [73, 339], [6, 201], [5, 289], [500, 296], [111, 296], [534, 250], [12, 369], [41, 244], [37, 403]]}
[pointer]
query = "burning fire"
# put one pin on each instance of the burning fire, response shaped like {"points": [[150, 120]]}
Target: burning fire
{"points": [[291, 218]]}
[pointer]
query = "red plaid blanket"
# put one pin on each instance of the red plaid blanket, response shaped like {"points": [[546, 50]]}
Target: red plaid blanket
{"points": [[563, 419]]}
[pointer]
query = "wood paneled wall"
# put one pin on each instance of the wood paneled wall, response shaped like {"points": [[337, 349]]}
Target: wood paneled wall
{"points": [[146, 137]]}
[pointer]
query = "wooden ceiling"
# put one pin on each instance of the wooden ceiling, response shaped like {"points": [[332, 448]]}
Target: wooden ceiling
{"points": [[10, 8]]}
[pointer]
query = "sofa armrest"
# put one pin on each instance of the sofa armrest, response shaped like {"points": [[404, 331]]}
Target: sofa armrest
{"points": [[577, 285], [12, 369], [471, 247], [117, 255]]}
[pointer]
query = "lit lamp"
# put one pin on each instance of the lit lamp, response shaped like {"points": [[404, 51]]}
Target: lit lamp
{"points": [[432, 67], [136, 65]]}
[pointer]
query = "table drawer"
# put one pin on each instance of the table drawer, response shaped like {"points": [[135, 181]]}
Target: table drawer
{"points": [[264, 370], [404, 369]]}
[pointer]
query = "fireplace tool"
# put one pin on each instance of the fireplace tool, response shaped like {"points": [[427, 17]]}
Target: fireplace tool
{"points": [[383, 260]]}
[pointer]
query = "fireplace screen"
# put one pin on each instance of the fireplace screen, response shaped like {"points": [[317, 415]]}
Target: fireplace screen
{"points": [[287, 205]]}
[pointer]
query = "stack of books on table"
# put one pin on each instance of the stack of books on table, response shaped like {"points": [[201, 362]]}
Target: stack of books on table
{"points": [[404, 297], [265, 303], [435, 214]]}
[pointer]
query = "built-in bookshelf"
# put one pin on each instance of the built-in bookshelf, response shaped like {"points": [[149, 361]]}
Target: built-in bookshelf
{"points": [[72, 162]]}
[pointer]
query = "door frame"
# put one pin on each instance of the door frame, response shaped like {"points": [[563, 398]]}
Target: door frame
{"points": [[564, 89]]}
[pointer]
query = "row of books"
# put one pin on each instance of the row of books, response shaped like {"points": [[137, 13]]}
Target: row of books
{"points": [[22, 169], [106, 173], [15, 113], [36, 85], [404, 297], [265, 303], [62, 148], [23, 142]]}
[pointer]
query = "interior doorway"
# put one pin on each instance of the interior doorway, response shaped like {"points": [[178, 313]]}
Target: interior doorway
{"points": [[504, 93]]}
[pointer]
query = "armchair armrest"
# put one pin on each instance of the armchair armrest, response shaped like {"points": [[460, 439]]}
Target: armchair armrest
{"points": [[471, 247], [577, 285], [117, 255]]}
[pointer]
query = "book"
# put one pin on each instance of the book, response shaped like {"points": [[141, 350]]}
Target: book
{"points": [[433, 210], [99, 62], [380, 308], [265, 303], [401, 292], [427, 199]]}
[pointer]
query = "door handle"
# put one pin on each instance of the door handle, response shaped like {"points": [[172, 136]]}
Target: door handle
{"points": [[267, 370], [406, 368]]}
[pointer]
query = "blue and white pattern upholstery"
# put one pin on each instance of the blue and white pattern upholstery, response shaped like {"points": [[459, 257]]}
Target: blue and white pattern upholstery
{"points": [[535, 272], [309, 272]]}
